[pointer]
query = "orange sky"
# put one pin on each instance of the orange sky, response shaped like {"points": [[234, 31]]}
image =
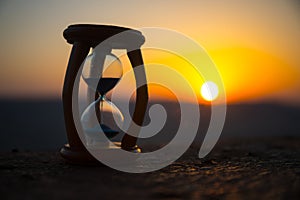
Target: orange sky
{"points": [[255, 44]]}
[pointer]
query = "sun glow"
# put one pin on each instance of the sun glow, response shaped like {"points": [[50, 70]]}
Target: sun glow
{"points": [[256, 55]]}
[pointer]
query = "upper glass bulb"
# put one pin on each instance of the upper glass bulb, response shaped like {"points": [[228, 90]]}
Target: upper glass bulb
{"points": [[102, 72]]}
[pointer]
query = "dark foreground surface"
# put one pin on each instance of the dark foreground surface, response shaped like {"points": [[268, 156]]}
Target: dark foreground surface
{"points": [[255, 169]]}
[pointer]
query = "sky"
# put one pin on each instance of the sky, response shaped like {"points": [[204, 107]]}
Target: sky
{"points": [[254, 44]]}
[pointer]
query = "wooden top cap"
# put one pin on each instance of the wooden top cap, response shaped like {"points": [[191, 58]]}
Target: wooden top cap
{"points": [[92, 35]]}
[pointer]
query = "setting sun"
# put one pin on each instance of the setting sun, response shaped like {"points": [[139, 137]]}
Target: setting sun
{"points": [[209, 91]]}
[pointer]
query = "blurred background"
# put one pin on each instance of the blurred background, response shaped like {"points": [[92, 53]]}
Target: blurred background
{"points": [[254, 44]]}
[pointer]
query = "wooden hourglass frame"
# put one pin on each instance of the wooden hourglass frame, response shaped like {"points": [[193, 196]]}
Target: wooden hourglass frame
{"points": [[83, 37]]}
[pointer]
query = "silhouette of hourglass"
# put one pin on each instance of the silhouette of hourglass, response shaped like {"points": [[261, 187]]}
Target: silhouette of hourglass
{"points": [[100, 80], [84, 37]]}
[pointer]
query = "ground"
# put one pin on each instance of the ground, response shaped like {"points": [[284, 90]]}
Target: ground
{"points": [[239, 169]]}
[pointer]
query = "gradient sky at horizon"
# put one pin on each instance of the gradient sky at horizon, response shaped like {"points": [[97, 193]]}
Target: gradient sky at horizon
{"points": [[255, 44]]}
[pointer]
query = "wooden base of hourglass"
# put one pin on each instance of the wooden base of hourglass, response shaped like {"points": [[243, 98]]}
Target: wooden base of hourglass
{"points": [[84, 37]]}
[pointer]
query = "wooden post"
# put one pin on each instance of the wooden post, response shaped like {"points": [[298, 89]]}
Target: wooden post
{"points": [[75, 150], [136, 59]]}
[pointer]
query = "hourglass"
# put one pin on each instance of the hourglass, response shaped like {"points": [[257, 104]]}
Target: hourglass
{"points": [[101, 74]]}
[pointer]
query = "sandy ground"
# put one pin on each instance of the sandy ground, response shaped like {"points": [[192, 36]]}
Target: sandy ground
{"points": [[253, 169]]}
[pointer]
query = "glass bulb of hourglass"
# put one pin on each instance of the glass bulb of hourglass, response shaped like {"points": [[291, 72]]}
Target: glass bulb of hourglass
{"points": [[110, 119], [101, 73]]}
